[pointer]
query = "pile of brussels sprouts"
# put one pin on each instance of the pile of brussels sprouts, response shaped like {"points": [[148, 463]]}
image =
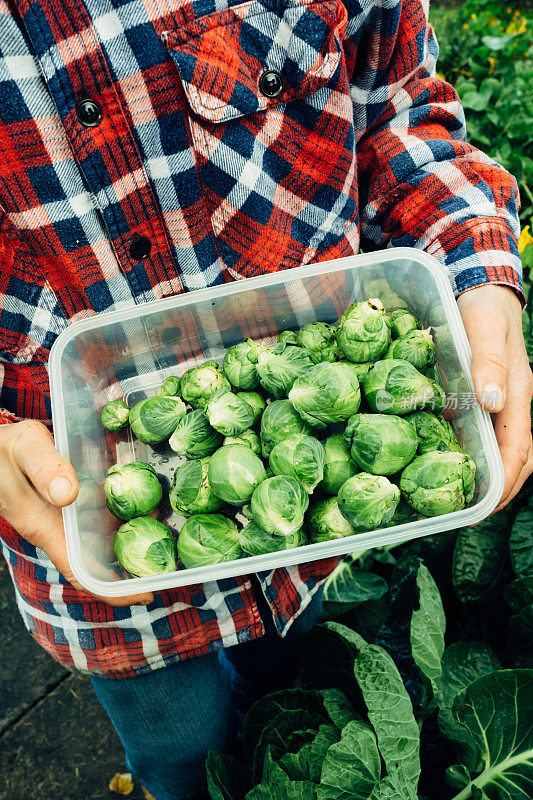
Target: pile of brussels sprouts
{"points": [[330, 431]]}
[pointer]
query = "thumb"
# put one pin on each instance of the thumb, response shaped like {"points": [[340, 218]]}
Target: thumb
{"points": [[49, 472], [486, 329]]}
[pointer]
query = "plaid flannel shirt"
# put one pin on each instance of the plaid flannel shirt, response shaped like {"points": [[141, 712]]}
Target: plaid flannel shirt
{"points": [[364, 146]]}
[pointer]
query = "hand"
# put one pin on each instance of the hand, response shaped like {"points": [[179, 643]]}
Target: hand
{"points": [[503, 381], [36, 483]]}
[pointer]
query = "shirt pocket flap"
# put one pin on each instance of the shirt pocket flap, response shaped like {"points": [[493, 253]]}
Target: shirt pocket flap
{"points": [[221, 56]]}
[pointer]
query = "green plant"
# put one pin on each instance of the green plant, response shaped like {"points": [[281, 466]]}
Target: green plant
{"points": [[417, 347], [228, 413], [486, 53], [145, 547], [132, 490], [381, 443], [191, 492], [368, 501], [318, 338], [300, 456], [153, 420], [199, 383], [208, 539], [338, 466], [278, 505], [363, 331], [115, 415], [170, 387], [439, 482], [234, 473], [279, 420], [194, 437]]}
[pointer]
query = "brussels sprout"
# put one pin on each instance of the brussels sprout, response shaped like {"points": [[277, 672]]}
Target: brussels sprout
{"points": [[402, 322], [170, 387], [417, 347], [194, 437], [360, 369], [256, 348], [300, 456], [145, 547], [279, 420], [381, 443], [368, 501], [256, 403], [403, 513], [396, 387], [363, 331], [279, 366], [248, 438], [318, 338], [279, 504], [438, 402], [256, 542], [208, 539], [434, 433], [339, 465], [228, 413], [240, 371], [327, 393], [439, 483], [199, 383], [234, 472], [154, 420], [132, 490], [115, 415], [324, 521], [288, 337], [191, 492]]}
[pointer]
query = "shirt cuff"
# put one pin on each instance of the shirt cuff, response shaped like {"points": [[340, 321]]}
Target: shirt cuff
{"points": [[480, 251]]}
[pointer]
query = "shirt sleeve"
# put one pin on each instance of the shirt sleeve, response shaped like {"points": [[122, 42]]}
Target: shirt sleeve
{"points": [[420, 184]]}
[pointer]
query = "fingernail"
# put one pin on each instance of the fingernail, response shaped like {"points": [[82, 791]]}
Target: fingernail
{"points": [[492, 397], [59, 489]]}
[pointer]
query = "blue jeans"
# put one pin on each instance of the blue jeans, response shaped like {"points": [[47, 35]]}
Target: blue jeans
{"points": [[168, 719]]}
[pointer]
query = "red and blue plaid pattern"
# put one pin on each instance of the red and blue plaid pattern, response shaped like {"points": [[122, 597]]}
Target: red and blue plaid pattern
{"points": [[363, 147]]}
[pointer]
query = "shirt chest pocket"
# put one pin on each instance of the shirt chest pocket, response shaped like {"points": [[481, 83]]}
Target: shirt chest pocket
{"points": [[271, 126]]}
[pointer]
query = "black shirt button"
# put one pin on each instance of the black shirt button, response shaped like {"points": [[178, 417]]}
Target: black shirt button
{"points": [[271, 83], [140, 248], [89, 113]]}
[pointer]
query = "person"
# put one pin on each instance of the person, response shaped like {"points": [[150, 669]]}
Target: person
{"points": [[153, 148]]}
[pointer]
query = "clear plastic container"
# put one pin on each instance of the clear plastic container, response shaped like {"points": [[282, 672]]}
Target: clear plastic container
{"points": [[128, 353]]}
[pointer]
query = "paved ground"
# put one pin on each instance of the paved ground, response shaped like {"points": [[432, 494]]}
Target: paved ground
{"points": [[56, 742]]}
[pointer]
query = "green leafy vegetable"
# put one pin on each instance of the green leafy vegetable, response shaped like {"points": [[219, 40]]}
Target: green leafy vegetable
{"points": [[300, 456], [194, 437], [326, 393], [191, 492], [208, 539], [199, 383], [115, 415], [145, 547], [132, 490], [381, 444]]}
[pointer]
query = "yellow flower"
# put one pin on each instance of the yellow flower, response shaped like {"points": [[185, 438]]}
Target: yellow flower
{"points": [[525, 239], [492, 62], [465, 26], [440, 76], [473, 16], [509, 10]]}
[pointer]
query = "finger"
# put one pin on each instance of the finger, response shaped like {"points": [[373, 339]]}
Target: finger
{"points": [[34, 453], [486, 329], [44, 527], [527, 470], [513, 433]]}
